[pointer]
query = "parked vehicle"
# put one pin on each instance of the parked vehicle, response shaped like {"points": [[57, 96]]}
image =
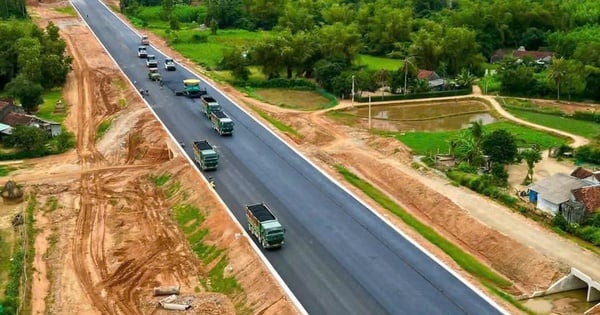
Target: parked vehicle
{"points": [[205, 155], [209, 104], [151, 61], [191, 88], [144, 40], [169, 64], [154, 75], [221, 122], [142, 52], [263, 224]]}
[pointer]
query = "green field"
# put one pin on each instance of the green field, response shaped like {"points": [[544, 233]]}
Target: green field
{"points": [[434, 142], [588, 129], [294, 99], [46, 110], [378, 63]]}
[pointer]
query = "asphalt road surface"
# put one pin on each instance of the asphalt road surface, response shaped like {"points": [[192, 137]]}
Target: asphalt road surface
{"points": [[339, 258]]}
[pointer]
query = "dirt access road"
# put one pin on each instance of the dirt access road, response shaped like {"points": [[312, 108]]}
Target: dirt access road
{"points": [[106, 232]]}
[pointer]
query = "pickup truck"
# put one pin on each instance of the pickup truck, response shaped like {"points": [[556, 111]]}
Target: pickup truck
{"points": [[169, 64], [209, 104], [151, 61], [142, 52], [221, 122], [263, 224], [205, 155]]}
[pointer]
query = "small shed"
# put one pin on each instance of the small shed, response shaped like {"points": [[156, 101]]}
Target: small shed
{"points": [[549, 193]]}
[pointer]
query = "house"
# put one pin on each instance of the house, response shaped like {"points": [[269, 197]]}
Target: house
{"points": [[436, 83], [12, 115], [5, 130], [551, 192], [589, 196], [540, 57], [593, 178]]}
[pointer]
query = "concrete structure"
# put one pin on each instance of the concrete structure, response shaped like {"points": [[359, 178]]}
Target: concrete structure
{"points": [[549, 193], [576, 280]]}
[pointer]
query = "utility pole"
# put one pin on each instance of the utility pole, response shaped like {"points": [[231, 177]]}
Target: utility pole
{"points": [[369, 111], [352, 90], [405, 72]]}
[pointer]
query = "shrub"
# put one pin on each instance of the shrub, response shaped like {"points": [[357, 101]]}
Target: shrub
{"points": [[588, 153], [200, 37], [590, 234], [560, 222]]}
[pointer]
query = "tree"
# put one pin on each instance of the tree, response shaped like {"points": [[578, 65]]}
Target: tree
{"points": [[461, 50], [236, 60], [465, 79], [28, 92], [500, 146], [556, 73], [30, 139], [227, 12], [426, 45], [531, 156]]}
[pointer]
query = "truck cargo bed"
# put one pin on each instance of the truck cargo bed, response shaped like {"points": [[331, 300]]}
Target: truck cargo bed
{"points": [[220, 114], [203, 145], [261, 213]]}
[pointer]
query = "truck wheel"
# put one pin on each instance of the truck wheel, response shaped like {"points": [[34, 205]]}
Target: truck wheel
{"points": [[263, 243]]}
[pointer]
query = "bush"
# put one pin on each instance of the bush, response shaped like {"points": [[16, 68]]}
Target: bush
{"points": [[588, 153], [590, 234], [200, 37], [397, 97], [282, 83], [560, 222]]}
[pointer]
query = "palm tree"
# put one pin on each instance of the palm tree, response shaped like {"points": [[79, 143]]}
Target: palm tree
{"points": [[557, 71], [477, 134]]}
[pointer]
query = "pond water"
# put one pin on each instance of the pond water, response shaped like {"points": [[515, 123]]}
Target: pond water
{"points": [[571, 302], [426, 117]]}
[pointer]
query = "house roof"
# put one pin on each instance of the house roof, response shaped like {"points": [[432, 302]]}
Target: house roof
{"points": [[4, 127], [589, 196], [14, 118], [535, 54], [424, 74], [581, 173], [557, 188]]}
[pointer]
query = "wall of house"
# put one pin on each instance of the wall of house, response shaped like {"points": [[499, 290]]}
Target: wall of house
{"points": [[546, 205]]}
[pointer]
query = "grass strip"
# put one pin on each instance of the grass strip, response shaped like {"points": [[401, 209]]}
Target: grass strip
{"points": [[463, 259], [277, 123]]}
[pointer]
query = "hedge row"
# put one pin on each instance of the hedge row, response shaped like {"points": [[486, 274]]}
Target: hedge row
{"points": [[483, 185], [397, 97]]}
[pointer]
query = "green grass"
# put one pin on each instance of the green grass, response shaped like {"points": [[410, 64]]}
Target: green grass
{"points": [[378, 63], [463, 259], [6, 250], [220, 283], [430, 142], [46, 109], [6, 169], [160, 180], [294, 99], [587, 129], [68, 10], [103, 128], [277, 123], [510, 299]]}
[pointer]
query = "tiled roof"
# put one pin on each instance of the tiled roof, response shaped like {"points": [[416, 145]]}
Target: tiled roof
{"points": [[589, 196], [581, 172], [424, 74], [537, 55], [14, 119]]}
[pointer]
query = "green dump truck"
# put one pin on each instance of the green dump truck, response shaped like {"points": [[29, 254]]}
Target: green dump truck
{"points": [[154, 75], [221, 122], [263, 224], [209, 104], [191, 88], [205, 155]]}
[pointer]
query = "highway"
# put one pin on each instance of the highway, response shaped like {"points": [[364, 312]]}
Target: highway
{"points": [[339, 258]]}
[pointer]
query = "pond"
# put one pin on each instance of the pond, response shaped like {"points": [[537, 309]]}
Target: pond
{"points": [[450, 115], [570, 302]]}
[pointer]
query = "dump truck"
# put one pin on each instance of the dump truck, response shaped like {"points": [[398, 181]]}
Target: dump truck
{"points": [[144, 40], [205, 155], [191, 88], [209, 104], [221, 122], [142, 52], [263, 224], [151, 61], [169, 64], [154, 75]]}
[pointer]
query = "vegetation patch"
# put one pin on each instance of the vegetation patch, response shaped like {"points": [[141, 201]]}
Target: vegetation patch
{"points": [[295, 99], [6, 169], [463, 259], [378, 63], [103, 127], [587, 129], [277, 123], [68, 10], [160, 180], [47, 109]]}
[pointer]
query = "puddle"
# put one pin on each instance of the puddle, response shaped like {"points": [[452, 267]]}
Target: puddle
{"points": [[426, 117], [571, 303]]}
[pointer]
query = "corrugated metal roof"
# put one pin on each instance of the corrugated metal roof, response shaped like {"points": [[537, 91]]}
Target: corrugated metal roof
{"points": [[557, 188]]}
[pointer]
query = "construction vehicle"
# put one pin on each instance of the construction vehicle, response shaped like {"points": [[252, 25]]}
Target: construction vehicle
{"points": [[263, 224], [144, 40], [142, 52], [205, 155], [169, 64], [209, 104], [151, 61], [154, 75], [221, 122], [191, 88]]}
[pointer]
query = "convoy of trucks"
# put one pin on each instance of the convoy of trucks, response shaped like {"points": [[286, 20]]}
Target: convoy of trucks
{"points": [[191, 88], [205, 155], [263, 224], [221, 122], [209, 104]]}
